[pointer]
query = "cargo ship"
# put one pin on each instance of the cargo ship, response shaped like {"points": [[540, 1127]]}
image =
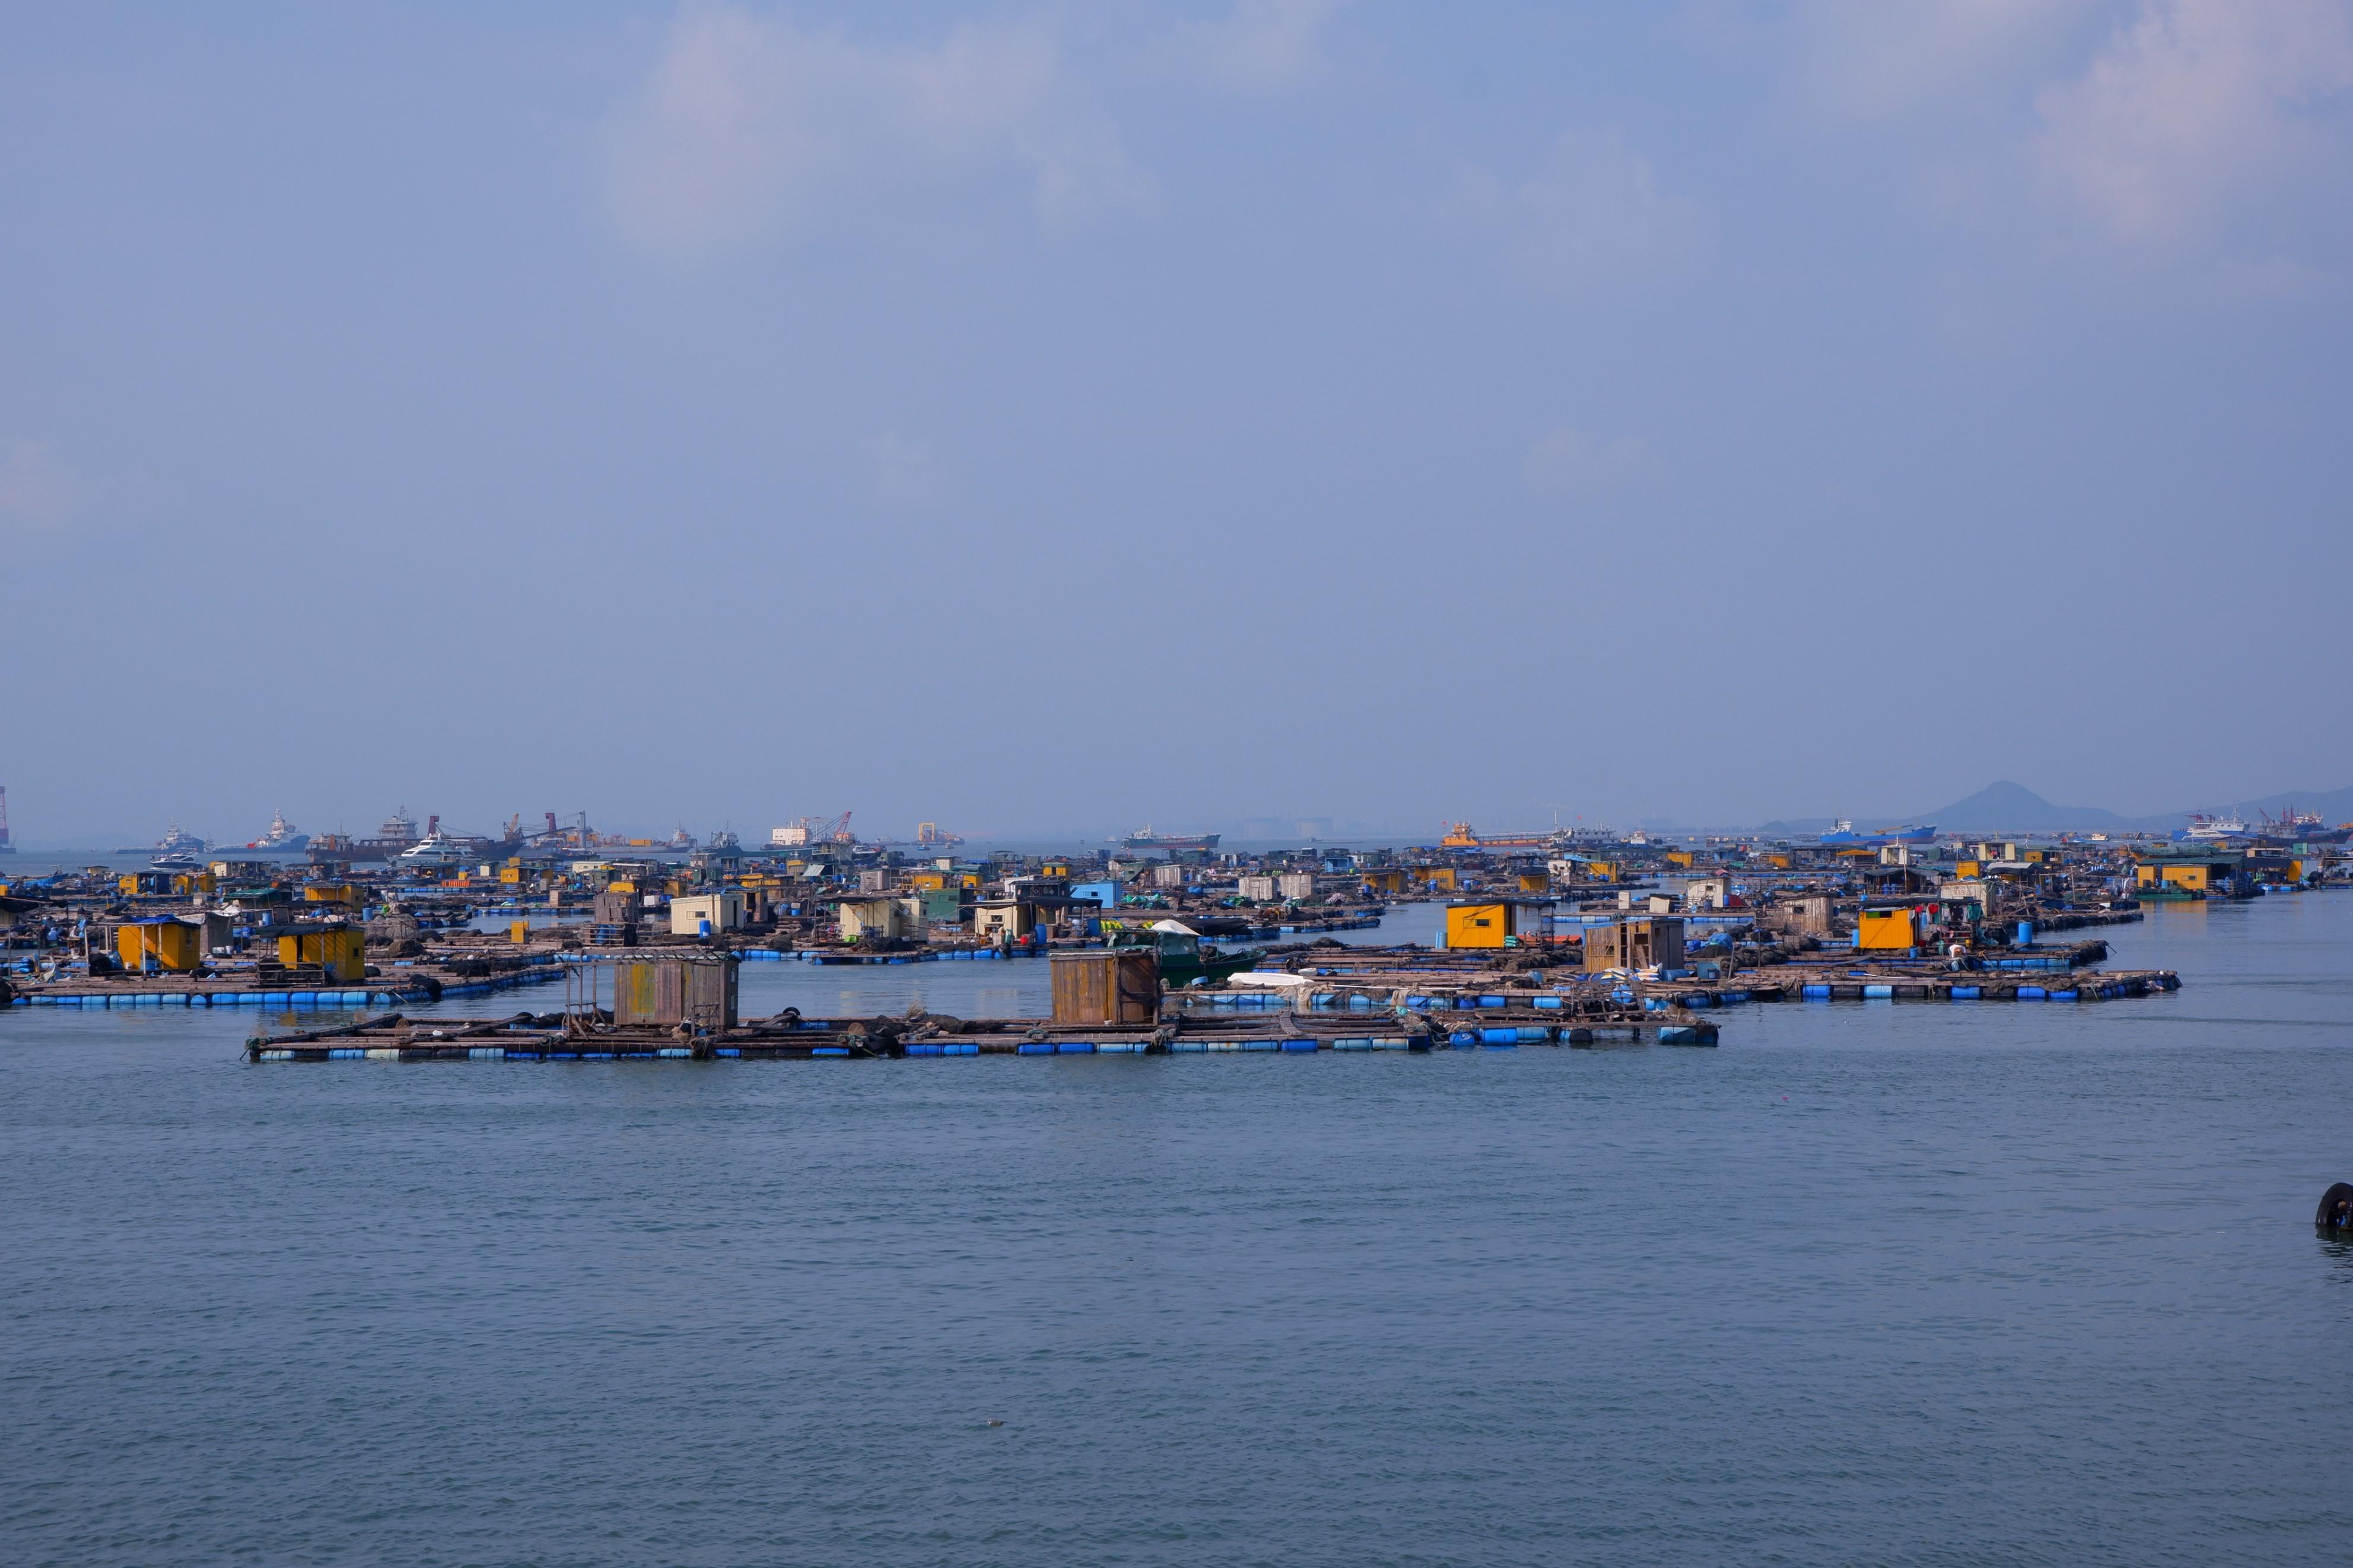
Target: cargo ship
{"points": [[397, 836], [1845, 833], [1145, 838]]}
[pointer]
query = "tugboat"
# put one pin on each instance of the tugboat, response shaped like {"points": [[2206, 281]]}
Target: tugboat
{"points": [[281, 835]]}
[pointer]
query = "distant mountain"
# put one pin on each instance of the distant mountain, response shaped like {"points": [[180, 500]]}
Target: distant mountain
{"points": [[2007, 807]]}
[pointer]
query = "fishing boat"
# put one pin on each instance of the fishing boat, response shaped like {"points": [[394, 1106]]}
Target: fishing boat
{"points": [[1184, 957]]}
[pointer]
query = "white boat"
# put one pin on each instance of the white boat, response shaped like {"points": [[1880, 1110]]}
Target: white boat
{"points": [[2227, 825], [435, 850], [281, 835]]}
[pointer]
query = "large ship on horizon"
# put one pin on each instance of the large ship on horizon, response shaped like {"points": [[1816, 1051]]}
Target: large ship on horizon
{"points": [[281, 835], [397, 837], [1845, 833], [1146, 838], [174, 842], [2226, 825]]}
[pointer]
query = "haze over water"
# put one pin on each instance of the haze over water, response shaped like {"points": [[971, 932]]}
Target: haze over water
{"points": [[1886, 1282]]}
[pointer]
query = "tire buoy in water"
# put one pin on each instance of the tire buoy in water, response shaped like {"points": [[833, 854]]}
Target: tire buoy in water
{"points": [[2336, 1213]]}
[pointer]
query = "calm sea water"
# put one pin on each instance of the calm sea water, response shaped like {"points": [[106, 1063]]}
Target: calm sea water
{"points": [[1872, 1283]]}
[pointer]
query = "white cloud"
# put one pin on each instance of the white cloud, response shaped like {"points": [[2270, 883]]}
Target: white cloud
{"points": [[1882, 58], [2196, 107], [1263, 45], [1593, 217], [38, 494], [1570, 465], [749, 129]]}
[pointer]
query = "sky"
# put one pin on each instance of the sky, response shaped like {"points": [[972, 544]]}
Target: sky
{"points": [[1035, 417]]}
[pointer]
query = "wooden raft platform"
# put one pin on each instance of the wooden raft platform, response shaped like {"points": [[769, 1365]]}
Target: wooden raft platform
{"points": [[554, 1037]]}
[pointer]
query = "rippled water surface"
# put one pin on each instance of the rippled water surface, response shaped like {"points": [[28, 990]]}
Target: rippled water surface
{"points": [[1870, 1283]]}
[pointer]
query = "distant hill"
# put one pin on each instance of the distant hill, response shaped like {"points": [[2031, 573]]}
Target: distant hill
{"points": [[2007, 807]]}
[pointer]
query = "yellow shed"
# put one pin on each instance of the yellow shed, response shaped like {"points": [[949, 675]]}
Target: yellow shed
{"points": [[1535, 882], [338, 951], [1680, 858], [1883, 931], [173, 946], [1434, 876], [331, 893], [1499, 923]]}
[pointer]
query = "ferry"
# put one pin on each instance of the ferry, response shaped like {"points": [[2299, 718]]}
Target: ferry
{"points": [[2228, 825]]}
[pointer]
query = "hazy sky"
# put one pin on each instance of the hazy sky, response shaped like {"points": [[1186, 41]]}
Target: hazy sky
{"points": [[1037, 416]]}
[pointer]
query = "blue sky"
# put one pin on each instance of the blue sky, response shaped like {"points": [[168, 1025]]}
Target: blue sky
{"points": [[1039, 416]]}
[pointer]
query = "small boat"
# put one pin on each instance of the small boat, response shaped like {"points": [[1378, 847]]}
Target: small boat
{"points": [[1183, 957], [175, 860]]}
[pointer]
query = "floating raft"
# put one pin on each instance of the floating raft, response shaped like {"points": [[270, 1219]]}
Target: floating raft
{"points": [[199, 994], [549, 1038]]}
